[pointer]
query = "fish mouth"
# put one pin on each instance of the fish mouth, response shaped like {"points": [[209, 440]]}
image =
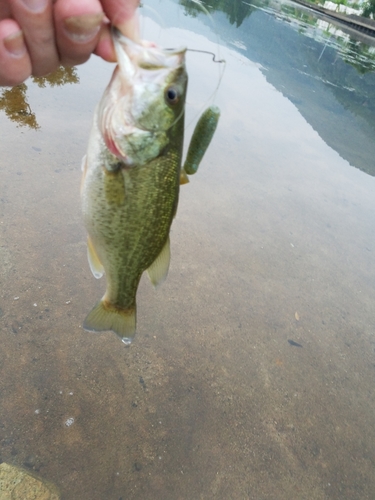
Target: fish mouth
{"points": [[143, 44], [144, 55]]}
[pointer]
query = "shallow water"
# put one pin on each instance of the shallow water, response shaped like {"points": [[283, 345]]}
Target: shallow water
{"points": [[273, 242]]}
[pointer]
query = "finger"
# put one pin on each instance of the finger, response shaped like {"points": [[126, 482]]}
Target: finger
{"points": [[15, 64], [36, 19], [105, 48], [5, 11], [78, 26], [123, 16]]}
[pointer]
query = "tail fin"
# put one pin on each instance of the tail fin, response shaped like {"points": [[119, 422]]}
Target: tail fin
{"points": [[106, 316]]}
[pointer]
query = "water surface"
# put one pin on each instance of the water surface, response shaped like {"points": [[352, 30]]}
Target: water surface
{"points": [[273, 242]]}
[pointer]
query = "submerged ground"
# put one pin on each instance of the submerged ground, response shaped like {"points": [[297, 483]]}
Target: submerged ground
{"points": [[272, 247]]}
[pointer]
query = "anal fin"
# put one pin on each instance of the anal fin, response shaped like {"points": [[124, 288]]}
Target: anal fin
{"points": [[158, 270]]}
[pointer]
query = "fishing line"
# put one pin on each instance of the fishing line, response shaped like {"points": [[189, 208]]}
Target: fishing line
{"points": [[151, 13], [215, 58], [220, 61], [210, 53], [161, 23]]}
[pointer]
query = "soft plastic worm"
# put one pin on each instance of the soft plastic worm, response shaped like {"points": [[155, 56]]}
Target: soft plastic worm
{"points": [[201, 139]]}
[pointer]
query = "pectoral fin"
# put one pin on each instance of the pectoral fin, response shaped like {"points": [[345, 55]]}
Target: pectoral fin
{"points": [[95, 265], [83, 170], [158, 270], [203, 133]]}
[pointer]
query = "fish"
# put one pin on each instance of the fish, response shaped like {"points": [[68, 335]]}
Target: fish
{"points": [[131, 175]]}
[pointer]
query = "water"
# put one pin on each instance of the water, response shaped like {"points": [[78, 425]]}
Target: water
{"points": [[272, 246]]}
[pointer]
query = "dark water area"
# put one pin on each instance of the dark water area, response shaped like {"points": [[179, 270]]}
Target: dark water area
{"points": [[252, 372]]}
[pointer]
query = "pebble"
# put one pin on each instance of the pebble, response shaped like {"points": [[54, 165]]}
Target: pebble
{"points": [[17, 484]]}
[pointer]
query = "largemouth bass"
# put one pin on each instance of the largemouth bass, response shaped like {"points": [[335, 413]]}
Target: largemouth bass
{"points": [[131, 176]]}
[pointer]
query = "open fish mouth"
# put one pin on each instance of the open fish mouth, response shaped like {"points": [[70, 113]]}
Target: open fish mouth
{"points": [[144, 55], [145, 61]]}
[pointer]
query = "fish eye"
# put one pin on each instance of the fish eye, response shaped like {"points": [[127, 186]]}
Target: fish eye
{"points": [[172, 96]]}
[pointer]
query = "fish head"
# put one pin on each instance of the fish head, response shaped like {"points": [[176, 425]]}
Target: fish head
{"points": [[143, 101]]}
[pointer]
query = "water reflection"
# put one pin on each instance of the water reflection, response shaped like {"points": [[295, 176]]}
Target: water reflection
{"points": [[326, 73], [273, 242], [62, 76], [14, 101], [368, 9], [353, 46], [361, 55], [236, 11]]}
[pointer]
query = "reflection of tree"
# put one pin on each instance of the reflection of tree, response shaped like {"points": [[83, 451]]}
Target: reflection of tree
{"points": [[368, 9], [359, 57], [14, 101], [236, 10], [60, 77], [352, 51]]}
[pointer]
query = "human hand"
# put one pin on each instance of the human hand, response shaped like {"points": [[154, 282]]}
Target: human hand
{"points": [[37, 36]]}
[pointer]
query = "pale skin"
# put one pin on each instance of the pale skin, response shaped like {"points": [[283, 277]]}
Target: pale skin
{"points": [[37, 36]]}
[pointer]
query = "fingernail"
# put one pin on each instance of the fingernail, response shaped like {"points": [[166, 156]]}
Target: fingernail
{"points": [[130, 28], [15, 44], [35, 5], [83, 28]]}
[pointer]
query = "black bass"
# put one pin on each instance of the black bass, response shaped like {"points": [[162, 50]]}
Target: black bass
{"points": [[131, 176]]}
